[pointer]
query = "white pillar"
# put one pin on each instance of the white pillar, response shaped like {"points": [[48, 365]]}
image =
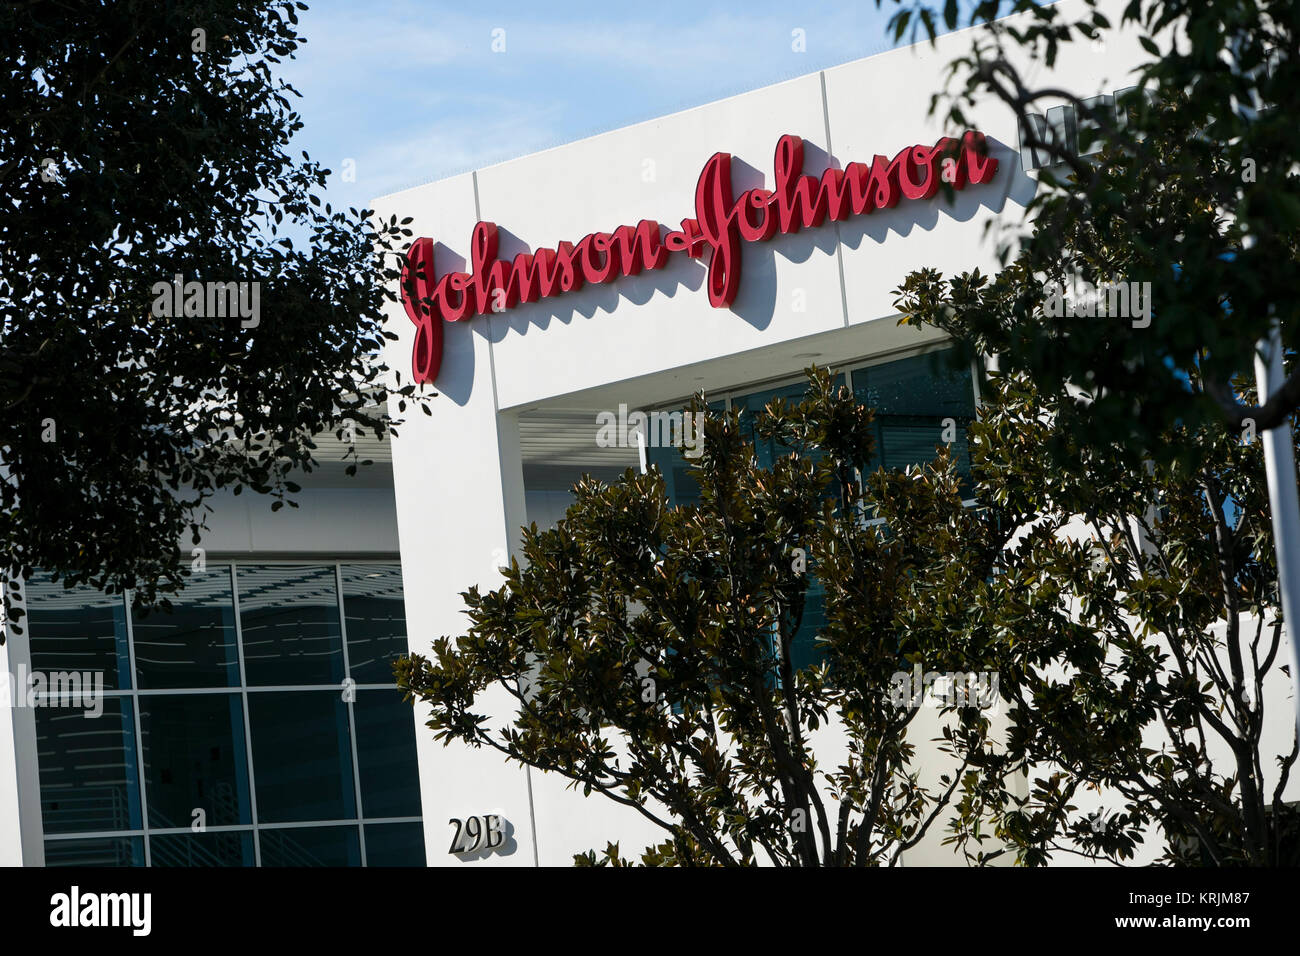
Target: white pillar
{"points": [[21, 831], [1284, 501]]}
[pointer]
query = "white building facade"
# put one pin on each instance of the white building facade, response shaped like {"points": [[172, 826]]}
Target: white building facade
{"points": [[733, 284], [522, 384]]}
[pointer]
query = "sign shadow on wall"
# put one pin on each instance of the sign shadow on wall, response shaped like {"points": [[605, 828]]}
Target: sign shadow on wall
{"points": [[1016, 187], [456, 377], [509, 846], [679, 272], [756, 299]]}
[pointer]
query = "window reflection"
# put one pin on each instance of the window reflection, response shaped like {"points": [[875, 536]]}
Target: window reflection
{"points": [[912, 399], [232, 848], [195, 760], [89, 778], [390, 779], [192, 742], [77, 630], [110, 851], [395, 844], [290, 621], [376, 620], [192, 644], [302, 757], [311, 846]]}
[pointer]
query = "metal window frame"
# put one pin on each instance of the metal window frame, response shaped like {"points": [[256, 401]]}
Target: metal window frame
{"points": [[135, 693]]}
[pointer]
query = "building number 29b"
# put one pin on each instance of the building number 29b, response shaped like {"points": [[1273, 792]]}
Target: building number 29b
{"points": [[484, 832]]}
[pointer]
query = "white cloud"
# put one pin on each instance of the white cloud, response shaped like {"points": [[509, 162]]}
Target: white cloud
{"points": [[412, 91], [443, 149]]}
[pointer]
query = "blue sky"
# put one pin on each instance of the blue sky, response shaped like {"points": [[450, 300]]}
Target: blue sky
{"points": [[413, 91]]}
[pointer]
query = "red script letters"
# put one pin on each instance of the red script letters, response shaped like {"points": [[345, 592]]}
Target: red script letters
{"points": [[722, 221]]}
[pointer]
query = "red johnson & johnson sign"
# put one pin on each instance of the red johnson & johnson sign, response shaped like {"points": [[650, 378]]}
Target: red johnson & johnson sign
{"points": [[722, 221]]}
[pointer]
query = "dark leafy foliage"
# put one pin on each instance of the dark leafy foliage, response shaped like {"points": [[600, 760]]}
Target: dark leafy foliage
{"points": [[1137, 629], [140, 141], [647, 648], [1194, 191], [1130, 616]]}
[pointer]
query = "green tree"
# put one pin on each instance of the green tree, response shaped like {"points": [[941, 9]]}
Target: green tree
{"points": [[139, 142], [648, 647], [1194, 191], [1137, 629], [1117, 574], [1189, 186], [1130, 616]]}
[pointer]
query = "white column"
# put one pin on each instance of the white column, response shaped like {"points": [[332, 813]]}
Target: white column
{"points": [[21, 833], [460, 499], [1279, 466]]}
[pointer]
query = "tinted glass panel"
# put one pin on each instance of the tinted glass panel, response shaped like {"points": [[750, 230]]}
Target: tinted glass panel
{"points": [[302, 756], [376, 621], [195, 759], [752, 405], [395, 844], [680, 484], [390, 779], [804, 649], [202, 849], [191, 749], [290, 620], [311, 846], [193, 643], [88, 771], [111, 851], [912, 398], [77, 630]]}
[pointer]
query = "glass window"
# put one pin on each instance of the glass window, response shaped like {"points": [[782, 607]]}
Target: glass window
{"points": [[395, 844], [804, 649], [108, 851], [751, 408], [376, 620], [302, 756], [310, 846], [193, 643], [176, 746], [390, 779], [231, 848], [912, 397], [89, 778], [767, 450], [679, 483], [78, 630], [290, 620], [195, 759]]}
